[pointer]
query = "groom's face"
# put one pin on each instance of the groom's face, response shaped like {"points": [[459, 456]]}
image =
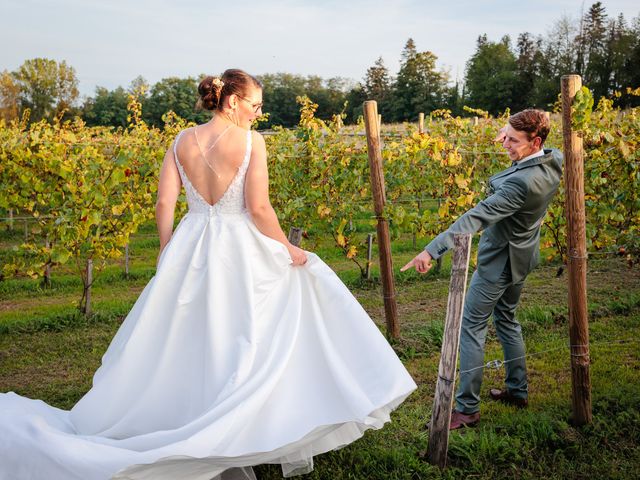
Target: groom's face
{"points": [[518, 145]]}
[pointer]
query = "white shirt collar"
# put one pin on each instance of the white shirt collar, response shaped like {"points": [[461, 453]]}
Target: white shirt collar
{"points": [[537, 154]]}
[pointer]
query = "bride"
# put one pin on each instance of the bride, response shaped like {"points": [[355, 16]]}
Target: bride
{"points": [[243, 349]]}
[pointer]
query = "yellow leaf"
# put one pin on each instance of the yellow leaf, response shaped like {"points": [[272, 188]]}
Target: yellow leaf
{"points": [[341, 240], [117, 209], [323, 210], [461, 182], [352, 252], [461, 201], [453, 159], [624, 149]]}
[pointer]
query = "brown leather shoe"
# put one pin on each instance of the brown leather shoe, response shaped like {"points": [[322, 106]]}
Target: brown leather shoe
{"points": [[459, 420], [505, 397]]}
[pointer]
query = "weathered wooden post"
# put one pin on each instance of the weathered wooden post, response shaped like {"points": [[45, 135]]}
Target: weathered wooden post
{"points": [[475, 121], [421, 123], [87, 288], [369, 255], [372, 130], [379, 123], [414, 237], [47, 267], [11, 219], [577, 256], [295, 236], [443, 398], [126, 260]]}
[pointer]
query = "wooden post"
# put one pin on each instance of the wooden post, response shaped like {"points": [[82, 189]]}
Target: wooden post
{"points": [[577, 256], [372, 130], [87, 297], [369, 255], [126, 260], [379, 123], [26, 230], [439, 260], [295, 236], [421, 123], [443, 398], [11, 219], [47, 267], [475, 121]]}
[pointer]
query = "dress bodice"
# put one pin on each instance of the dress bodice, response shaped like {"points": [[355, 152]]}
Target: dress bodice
{"points": [[232, 200]]}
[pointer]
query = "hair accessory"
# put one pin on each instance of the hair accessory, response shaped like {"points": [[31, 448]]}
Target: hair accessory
{"points": [[217, 82]]}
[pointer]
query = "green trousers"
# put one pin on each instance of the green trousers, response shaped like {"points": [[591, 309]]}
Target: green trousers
{"points": [[484, 298]]}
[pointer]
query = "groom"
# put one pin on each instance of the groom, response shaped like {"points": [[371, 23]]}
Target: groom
{"points": [[510, 216]]}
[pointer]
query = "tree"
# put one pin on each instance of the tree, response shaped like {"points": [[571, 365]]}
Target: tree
{"points": [[108, 108], [418, 87], [558, 53], [492, 76], [355, 98], [629, 73], [377, 86], [173, 94], [47, 87], [622, 42], [528, 64], [280, 91], [9, 97], [597, 68], [138, 84]]}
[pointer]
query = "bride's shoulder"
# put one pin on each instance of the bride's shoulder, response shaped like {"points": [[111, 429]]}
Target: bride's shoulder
{"points": [[257, 139], [182, 134], [258, 146]]}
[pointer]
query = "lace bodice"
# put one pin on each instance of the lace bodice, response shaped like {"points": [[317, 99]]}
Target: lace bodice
{"points": [[232, 200]]}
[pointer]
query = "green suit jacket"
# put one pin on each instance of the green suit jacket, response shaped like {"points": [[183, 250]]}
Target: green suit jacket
{"points": [[510, 216]]}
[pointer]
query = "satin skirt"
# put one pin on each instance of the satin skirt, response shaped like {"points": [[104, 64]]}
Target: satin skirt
{"points": [[230, 357]]}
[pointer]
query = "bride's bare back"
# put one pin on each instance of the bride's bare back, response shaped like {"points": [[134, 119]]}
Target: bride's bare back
{"points": [[211, 155]]}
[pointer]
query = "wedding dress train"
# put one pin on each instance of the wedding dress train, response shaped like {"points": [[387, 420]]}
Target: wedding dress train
{"points": [[229, 358]]}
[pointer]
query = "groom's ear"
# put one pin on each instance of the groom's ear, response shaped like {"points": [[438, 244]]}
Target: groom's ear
{"points": [[537, 143]]}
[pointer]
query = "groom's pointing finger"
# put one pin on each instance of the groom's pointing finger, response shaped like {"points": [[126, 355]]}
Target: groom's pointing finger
{"points": [[408, 265]]}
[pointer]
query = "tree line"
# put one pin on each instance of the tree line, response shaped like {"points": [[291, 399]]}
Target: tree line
{"points": [[501, 74]]}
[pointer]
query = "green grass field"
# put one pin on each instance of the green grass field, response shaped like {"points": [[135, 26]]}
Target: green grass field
{"points": [[49, 351]]}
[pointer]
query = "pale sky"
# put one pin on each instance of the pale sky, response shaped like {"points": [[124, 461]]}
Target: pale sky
{"points": [[111, 42]]}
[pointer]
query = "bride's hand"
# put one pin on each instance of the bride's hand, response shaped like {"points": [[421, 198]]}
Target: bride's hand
{"points": [[298, 256]]}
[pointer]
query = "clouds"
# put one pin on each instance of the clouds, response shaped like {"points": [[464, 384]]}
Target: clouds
{"points": [[110, 43]]}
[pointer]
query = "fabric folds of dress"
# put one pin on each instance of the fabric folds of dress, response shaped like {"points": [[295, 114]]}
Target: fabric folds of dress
{"points": [[229, 358]]}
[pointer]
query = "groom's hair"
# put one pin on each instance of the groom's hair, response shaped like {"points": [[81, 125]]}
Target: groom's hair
{"points": [[532, 121]]}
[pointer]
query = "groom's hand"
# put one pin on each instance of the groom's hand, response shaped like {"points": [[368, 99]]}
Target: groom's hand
{"points": [[421, 262], [501, 135]]}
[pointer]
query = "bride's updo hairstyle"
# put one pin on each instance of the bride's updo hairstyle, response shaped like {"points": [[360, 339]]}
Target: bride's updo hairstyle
{"points": [[213, 90]]}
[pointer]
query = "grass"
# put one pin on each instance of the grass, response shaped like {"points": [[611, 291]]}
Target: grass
{"points": [[49, 351]]}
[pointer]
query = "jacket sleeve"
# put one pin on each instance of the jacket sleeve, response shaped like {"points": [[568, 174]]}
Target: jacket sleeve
{"points": [[507, 200]]}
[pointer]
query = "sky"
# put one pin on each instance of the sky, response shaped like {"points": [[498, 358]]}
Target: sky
{"points": [[111, 42]]}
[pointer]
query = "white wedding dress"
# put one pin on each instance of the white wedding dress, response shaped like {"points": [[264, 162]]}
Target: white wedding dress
{"points": [[229, 358]]}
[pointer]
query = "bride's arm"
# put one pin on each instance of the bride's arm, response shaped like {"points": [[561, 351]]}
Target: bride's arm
{"points": [[168, 190], [257, 199]]}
